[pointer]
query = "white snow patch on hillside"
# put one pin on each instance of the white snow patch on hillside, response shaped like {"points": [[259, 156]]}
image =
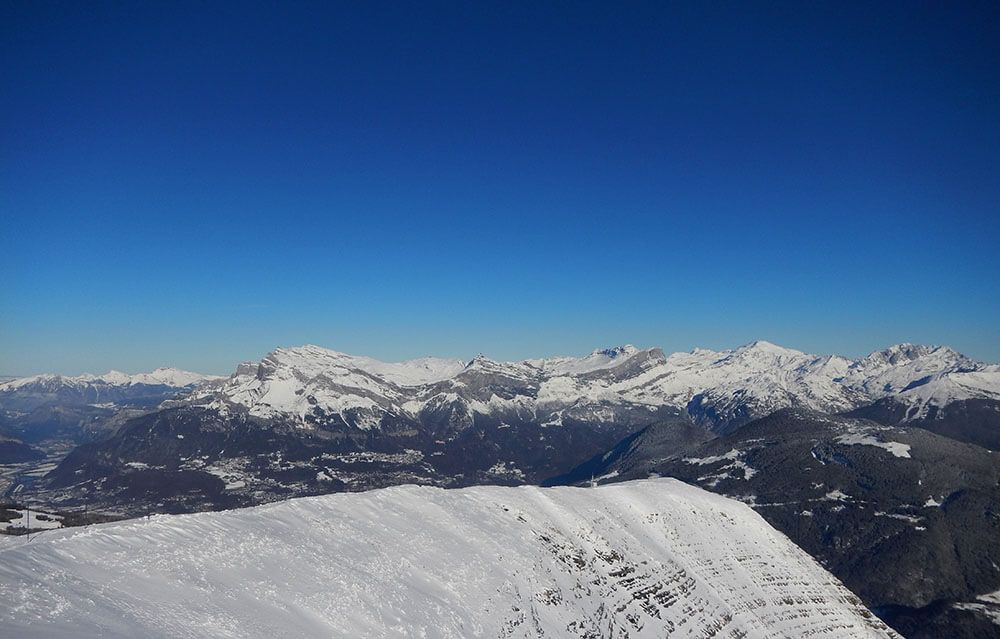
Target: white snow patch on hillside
{"points": [[34, 520], [860, 439], [987, 605], [731, 455], [644, 559]]}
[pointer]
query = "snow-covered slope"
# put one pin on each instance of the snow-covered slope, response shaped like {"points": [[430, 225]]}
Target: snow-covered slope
{"points": [[171, 377], [649, 558], [734, 386], [720, 389], [942, 389], [894, 369], [903, 516], [922, 377]]}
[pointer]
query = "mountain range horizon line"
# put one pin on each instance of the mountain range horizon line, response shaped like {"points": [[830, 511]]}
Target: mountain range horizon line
{"points": [[618, 349]]}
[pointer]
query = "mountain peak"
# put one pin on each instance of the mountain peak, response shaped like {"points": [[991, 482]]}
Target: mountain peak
{"points": [[310, 361], [761, 346], [481, 361], [115, 377], [305, 351], [907, 352], [616, 351]]}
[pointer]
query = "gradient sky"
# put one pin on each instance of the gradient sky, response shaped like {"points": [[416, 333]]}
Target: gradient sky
{"points": [[193, 184]]}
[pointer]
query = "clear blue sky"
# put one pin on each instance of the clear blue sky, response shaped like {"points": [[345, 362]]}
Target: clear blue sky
{"points": [[193, 184]]}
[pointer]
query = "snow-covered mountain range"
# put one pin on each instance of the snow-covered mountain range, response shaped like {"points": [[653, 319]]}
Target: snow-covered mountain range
{"points": [[721, 389], [160, 377], [26, 393], [651, 558], [309, 420]]}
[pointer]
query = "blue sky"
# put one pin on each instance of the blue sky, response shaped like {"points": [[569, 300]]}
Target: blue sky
{"points": [[193, 184]]}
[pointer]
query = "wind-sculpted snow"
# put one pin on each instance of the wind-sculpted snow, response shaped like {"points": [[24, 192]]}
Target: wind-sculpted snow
{"points": [[651, 558]]}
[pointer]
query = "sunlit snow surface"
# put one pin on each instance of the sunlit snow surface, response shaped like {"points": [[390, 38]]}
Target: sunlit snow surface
{"points": [[858, 439], [640, 559]]}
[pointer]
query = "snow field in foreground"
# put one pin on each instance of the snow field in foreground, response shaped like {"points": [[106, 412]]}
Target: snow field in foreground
{"points": [[637, 559]]}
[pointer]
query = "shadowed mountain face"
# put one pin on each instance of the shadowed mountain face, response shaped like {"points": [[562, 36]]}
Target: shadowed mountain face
{"points": [[907, 519], [641, 449], [188, 458], [14, 451]]}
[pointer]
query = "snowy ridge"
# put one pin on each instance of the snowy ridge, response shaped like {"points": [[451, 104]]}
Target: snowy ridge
{"points": [[641, 559], [314, 360], [297, 381], [715, 388], [599, 359], [113, 388], [760, 376], [944, 388], [171, 377]]}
